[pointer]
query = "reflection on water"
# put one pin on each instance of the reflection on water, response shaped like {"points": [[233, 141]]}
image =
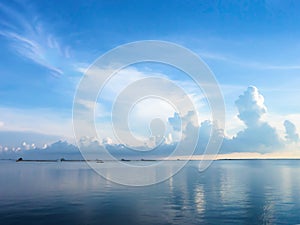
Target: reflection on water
{"points": [[199, 199], [242, 192]]}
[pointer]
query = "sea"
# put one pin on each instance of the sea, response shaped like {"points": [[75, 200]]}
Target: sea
{"points": [[228, 192]]}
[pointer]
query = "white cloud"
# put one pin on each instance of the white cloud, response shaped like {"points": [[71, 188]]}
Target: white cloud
{"points": [[144, 113], [245, 62], [258, 134], [145, 110], [291, 132], [26, 146], [107, 141], [251, 106], [255, 135], [28, 38]]}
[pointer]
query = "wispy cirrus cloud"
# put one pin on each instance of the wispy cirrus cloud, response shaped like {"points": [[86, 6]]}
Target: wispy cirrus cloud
{"points": [[246, 62], [27, 36]]}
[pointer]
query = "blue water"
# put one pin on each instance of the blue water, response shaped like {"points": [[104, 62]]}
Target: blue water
{"points": [[239, 192]]}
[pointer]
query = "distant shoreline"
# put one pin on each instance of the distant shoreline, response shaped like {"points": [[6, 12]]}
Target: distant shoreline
{"points": [[136, 160]]}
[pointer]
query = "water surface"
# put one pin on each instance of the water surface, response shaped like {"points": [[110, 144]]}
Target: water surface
{"points": [[233, 191]]}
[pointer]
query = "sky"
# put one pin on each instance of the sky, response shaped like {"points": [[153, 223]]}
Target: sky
{"points": [[252, 47]]}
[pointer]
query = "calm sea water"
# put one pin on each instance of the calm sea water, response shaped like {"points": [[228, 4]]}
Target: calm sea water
{"points": [[239, 192]]}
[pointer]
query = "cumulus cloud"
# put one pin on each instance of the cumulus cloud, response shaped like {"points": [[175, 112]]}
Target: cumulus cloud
{"points": [[185, 125], [54, 151], [175, 121], [15, 138], [291, 132], [258, 134], [181, 122], [188, 124], [27, 146], [107, 141], [208, 131], [260, 138], [251, 106]]}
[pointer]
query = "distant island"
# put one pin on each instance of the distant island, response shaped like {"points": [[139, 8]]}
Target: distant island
{"points": [[141, 160], [83, 160]]}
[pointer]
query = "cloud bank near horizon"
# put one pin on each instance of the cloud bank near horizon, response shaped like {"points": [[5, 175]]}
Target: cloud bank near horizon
{"points": [[258, 136]]}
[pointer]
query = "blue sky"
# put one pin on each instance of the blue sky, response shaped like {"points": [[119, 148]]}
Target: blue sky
{"points": [[47, 45]]}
